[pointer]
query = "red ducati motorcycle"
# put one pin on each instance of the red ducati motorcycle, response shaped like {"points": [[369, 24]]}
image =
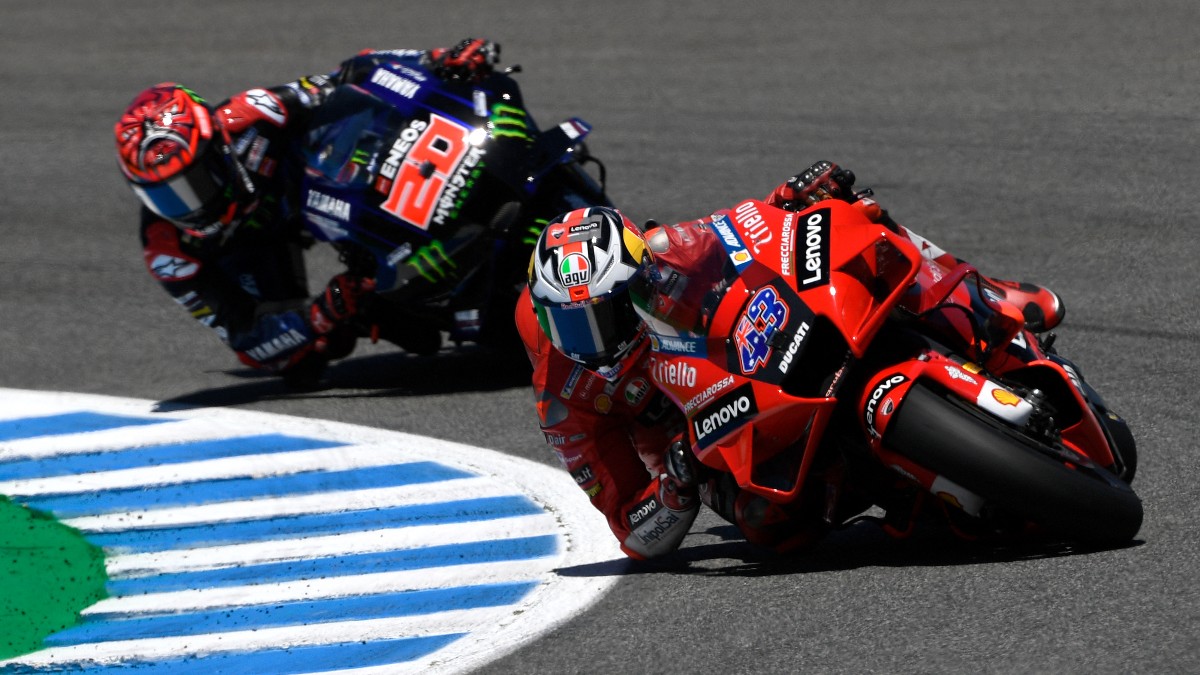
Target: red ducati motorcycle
{"points": [[829, 367]]}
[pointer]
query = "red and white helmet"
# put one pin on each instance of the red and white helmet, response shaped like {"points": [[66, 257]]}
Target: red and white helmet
{"points": [[179, 163], [588, 268]]}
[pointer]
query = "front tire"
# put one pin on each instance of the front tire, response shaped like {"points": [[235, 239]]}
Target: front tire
{"points": [[1066, 494]]}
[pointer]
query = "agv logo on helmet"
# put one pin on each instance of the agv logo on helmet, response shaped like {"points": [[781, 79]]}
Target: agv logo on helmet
{"points": [[584, 267], [575, 270]]}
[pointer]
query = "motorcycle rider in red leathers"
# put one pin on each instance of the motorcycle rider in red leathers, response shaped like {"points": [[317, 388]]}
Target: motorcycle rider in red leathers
{"points": [[621, 438], [220, 223]]}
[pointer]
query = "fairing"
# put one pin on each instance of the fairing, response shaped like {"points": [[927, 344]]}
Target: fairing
{"points": [[758, 352], [425, 176]]}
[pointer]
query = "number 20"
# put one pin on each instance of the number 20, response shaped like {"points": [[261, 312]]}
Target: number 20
{"points": [[414, 196]]}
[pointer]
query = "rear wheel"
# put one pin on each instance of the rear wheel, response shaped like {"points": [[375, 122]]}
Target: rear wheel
{"points": [[1066, 494]]}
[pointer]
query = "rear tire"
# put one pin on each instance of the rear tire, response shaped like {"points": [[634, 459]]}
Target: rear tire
{"points": [[1067, 495]]}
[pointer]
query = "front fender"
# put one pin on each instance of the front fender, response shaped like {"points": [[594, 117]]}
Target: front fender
{"points": [[884, 394]]}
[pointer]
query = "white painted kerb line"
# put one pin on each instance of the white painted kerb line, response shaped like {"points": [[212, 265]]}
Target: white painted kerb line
{"points": [[247, 540]]}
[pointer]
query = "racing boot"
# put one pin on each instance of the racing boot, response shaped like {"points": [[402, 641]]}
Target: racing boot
{"points": [[1042, 307]]}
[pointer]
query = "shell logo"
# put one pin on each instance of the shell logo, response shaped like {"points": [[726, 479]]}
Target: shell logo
{"points": [[950, 499], [603, 404], [1005, 397]]}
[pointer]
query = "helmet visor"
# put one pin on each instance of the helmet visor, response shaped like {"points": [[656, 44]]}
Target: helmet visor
{"points": [[595, 333], [194, 196]]}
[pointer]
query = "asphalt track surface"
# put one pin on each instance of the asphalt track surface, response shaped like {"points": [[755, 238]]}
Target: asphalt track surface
{"points": [[1054, 142]]}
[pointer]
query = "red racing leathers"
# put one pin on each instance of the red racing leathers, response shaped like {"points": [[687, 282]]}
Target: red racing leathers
{"points": [[612, 436]]}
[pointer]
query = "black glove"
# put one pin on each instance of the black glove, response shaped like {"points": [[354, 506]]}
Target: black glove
{"points": [[338, 303], [469, 61], [823, 180]]}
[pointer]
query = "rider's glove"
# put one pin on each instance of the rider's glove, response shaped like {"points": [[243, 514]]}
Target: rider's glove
{"points": [[338, 303], [470, 60], [821, 181], [677, 486]]}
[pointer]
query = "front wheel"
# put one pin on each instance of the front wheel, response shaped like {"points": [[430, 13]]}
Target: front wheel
{"points": [[1064, 493]]}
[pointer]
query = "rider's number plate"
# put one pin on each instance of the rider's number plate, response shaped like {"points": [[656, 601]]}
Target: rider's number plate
{"points": [[425, 171]]}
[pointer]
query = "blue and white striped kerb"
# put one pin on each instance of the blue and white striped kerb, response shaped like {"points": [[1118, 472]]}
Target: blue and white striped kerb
{"points": [[241, 542]]}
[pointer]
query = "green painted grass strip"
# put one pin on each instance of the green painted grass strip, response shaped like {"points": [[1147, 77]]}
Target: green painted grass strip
{"points": [[48, 574]]}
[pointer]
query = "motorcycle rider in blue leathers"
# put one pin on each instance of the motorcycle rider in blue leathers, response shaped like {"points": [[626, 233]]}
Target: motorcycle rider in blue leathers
{"points": [[220, 218]]}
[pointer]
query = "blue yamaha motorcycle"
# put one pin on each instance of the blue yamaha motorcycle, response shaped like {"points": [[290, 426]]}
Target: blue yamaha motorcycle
{"points": [[438, 190]]}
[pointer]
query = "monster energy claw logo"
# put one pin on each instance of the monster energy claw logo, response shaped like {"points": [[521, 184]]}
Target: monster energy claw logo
{"points": [[508, 121], [428, 261]]}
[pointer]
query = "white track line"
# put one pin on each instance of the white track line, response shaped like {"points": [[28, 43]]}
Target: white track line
{"points": [[246, 466], [282, 550], [330, 587], [490, 632], [274, 507]]}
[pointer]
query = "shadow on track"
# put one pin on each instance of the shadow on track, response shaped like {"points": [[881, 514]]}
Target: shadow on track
{"points": [[860, 546], [384, 375]]}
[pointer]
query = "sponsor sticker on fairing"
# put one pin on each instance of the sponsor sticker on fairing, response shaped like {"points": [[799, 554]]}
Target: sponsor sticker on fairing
{"points": [[264, 351], [751, 223], [706, 395], [881, 390], [813, 236], [786, 245], [329, 205], [395, 83], [399, 150], [571, 130], [956, 374], [724, 415], [1003, 403], [765, 314], [678, 346], [731, 242], [424, 176], [672, 372], [788, 356]]}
